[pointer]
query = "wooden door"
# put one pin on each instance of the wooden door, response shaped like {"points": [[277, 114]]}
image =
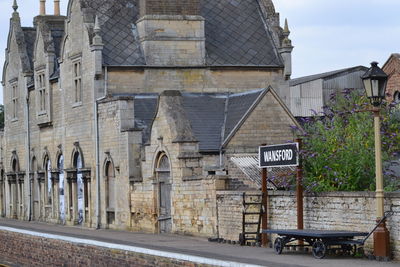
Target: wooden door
{"points": [[164, 182]]}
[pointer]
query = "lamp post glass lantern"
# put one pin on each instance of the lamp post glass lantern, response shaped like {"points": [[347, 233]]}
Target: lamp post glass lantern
{"points": [[375, 80]]}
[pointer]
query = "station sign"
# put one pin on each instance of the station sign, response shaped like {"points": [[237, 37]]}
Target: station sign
{"points": [[285, 155]]}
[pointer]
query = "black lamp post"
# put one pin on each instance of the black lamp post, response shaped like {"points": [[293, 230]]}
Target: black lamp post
{"points": [[375, 80]]}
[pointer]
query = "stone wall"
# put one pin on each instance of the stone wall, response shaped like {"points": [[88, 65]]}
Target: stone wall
{"points": [[25, 250], [331, 211]]}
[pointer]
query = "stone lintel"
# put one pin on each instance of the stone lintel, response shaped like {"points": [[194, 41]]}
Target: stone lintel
{"points": [[189, 155], [192, 178]]}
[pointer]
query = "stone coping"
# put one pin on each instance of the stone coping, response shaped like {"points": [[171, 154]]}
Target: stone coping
{"points": [[320, 194]]}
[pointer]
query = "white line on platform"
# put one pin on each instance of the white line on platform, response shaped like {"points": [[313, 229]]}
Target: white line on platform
{"points": [[153, 252]]}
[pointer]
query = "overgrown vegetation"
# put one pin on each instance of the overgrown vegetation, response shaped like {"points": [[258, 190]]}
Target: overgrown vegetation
{"points": [[339, 148]]}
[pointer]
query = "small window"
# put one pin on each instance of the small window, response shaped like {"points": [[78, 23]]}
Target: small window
{"points": [[77, 74], [41, 87], [396, 98], [14, 100]]}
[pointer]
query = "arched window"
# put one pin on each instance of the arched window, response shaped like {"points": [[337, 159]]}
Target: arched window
{"points": [[15, 167], [110, 191], [60, 167]]}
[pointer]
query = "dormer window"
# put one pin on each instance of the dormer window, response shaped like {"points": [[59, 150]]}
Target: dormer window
{"points": [[14, 100], [41, 88], [77, 75]]}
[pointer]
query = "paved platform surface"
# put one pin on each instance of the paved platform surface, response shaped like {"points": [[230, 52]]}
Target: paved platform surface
{"points": [[192, 247]]}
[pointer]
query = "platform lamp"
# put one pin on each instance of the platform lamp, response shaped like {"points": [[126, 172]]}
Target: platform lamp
{"points": [[375, 80]]}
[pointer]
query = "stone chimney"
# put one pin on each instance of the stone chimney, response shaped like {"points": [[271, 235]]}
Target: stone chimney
{"points": [[42, 10], [286, 51], [56, 7], [172, 32]]}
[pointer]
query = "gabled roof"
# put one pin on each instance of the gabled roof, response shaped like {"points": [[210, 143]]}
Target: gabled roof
{"points": [[325, 75], [212, 116], [235, 31]]}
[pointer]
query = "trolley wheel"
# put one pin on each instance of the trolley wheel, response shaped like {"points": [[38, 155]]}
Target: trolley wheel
{"points": [[278, 245], [319, 249], [349, 249]]}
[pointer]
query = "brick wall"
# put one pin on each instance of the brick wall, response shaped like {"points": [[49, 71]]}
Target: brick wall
{"points": [[169, 7], [392, 68], [331, 211], [25, 250]]}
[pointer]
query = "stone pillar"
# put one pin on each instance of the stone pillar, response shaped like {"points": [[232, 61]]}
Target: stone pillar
{"points": [[72, 195], [17, 197], [21, 196], [42, 202], [286, 51], [12, 180], [55, 180], [86, 179]]}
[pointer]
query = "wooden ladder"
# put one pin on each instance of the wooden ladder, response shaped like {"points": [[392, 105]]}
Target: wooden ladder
{"points": [[251, 221]]}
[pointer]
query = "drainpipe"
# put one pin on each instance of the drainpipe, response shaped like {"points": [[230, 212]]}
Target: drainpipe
{"points": [[97, 148], [28, 151]]}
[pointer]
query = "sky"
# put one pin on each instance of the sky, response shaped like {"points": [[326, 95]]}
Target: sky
{"points": [[327, 35]]}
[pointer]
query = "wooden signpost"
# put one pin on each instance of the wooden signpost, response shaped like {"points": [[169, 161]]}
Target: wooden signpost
{"points": [[284, 155]]}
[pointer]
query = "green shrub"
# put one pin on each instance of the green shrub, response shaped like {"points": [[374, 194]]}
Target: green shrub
{"points": [[339, 148]]}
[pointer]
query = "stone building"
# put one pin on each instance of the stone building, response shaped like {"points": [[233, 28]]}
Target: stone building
{"points": [[124, 114]]}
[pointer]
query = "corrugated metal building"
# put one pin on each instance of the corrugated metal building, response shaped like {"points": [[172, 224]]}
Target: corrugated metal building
{"points": [[309, 94]]}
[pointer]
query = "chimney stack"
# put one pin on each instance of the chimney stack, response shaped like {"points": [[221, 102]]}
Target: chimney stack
{"points": [[56, 7], [42, 11], [171, 32]]}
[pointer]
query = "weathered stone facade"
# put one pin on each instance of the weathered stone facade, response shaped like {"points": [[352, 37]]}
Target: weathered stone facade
{"points": [[123, 113]]}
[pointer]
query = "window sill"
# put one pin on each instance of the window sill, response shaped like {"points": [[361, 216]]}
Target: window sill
{"points": [[77, 104], [14, 120], [42, 113]]}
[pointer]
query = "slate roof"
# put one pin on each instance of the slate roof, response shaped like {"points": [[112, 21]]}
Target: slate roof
{"points": [[213, 116], [206, 113], [145, 112], [235, 33], [324, 75], [57, 35], [30, 37]]}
